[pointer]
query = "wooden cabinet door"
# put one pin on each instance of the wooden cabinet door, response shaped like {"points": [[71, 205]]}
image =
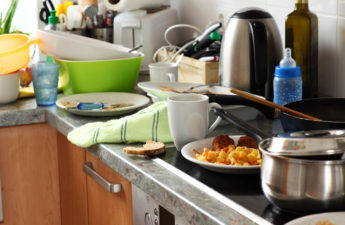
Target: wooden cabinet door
{"points": [[29, 175], [107, 208], [73, 190]]}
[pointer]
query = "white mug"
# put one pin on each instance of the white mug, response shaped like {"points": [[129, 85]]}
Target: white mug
{"points": [[188, 116], [163, 72]]}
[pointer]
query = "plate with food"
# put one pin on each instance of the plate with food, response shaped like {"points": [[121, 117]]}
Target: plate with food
{"points": [[160, 91], [225, 154], [102, 103], [329, 218]]}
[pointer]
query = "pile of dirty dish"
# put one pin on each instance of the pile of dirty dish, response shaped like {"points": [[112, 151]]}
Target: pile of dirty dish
{"points": [[86, 65]]}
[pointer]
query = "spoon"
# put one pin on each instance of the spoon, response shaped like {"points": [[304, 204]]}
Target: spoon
{"points": [[178, 60], [271, 104]]}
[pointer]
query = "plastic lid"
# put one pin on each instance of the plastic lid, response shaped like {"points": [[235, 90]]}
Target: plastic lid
{"points": [[287, 61], [52, 19], [287, 72]]}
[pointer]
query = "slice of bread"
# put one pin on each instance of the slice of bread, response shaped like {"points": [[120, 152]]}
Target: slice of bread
{"points": [[150, 148]]}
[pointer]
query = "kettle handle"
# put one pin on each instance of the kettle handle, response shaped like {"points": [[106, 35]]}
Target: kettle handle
{"points": [[258, 52]]}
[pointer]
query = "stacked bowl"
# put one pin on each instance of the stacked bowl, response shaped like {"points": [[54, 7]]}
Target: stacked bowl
{"points": [[14, 55], [89, 65]]}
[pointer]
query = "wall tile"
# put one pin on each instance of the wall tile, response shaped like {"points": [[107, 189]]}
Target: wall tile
{"points": [[340, 84], [327, 55], [328, 7], [331, 30], [279, 14]]}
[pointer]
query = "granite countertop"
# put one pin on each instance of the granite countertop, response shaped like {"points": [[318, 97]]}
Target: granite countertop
{"points": [[175, 190]]}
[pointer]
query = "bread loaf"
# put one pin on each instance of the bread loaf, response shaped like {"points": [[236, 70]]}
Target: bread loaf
{"points": [[149, 148]]}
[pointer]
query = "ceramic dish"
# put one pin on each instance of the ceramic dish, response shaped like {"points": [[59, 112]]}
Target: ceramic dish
{"points": [[334, 218], [76, 47], [160, 91], [189, 154], [136, 102]]}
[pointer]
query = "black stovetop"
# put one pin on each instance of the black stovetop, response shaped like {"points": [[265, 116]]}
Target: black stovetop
{"points": [[244, 189]]}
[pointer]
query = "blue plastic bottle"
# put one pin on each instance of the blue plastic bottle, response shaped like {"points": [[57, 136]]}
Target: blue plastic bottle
{"points": [[287, 82]]}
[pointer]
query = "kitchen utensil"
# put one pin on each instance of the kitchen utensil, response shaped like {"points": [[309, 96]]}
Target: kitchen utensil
{"points": [[118, 75], [15, 52], [45, 76], [303, 185], [251, 48], [80, 48], [134, 102], [330, 110], [9, 87], [45, 11], [308, 179], [271, 104], [189, 154], [188, 116]]}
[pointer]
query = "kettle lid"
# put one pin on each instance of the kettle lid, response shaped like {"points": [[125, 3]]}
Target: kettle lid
{"points": [[251, 13]]}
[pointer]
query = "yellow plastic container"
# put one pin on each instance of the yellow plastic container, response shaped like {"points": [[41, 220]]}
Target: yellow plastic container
{"points": [[15, 52]]}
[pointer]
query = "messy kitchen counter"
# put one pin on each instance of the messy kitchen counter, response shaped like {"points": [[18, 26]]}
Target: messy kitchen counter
{"points": [[192, 193]]}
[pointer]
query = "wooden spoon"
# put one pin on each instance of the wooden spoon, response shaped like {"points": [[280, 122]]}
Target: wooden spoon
{"points": [[271, 104]]}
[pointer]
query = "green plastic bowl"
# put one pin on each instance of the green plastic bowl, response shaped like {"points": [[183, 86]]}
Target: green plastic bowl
{"points": [[117, 75]]}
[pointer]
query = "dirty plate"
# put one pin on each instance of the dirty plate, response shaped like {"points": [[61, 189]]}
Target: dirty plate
{"points": [[189, 154], [160, 91], [334, 218], [134, 102]]}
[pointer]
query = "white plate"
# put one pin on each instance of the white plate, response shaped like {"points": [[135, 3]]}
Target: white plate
{"points": [[136, 101], [189, 154], [336, 218], [76, 47], [156, 89]]}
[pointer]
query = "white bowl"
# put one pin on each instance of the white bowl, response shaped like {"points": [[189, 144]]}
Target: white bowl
{"points": [[9, 87], [63, 45]]}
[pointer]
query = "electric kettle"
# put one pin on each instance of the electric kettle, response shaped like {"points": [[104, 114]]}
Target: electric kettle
{"points": [[251, 48]]}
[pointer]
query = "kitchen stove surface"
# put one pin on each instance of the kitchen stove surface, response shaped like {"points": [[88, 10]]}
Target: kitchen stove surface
{"points": [[244, 189]]}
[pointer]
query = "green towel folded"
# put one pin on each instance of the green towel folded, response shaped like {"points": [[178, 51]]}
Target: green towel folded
{"points": [[150, 123]]}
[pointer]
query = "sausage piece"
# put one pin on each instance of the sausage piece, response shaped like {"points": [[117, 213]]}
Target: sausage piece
{"points": [[222, 141], [247, 141]]}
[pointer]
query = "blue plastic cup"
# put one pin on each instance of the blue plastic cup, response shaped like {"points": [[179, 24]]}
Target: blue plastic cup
{"points": [[45, 77]]}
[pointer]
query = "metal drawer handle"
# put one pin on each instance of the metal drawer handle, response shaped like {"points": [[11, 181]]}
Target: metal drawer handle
{"points": [[112, 188]]}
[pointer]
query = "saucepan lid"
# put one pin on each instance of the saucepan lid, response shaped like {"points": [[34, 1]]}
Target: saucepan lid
{"points": [[307, 143]]}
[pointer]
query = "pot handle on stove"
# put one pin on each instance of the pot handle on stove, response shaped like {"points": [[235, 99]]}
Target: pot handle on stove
{"points": [[249, 130], [238, 100]]}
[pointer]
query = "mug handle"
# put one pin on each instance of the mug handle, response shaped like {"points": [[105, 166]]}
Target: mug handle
{"points": [[214, 105], [172, 77]]}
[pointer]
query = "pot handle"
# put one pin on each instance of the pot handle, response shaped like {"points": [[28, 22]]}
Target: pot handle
{"points": [[249, 130], [238, 100]]}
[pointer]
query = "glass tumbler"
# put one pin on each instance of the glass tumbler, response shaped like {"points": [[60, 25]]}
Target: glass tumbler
{"points": [[45, 77]]}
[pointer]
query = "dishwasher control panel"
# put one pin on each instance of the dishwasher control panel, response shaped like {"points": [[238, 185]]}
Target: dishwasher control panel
{"points": [[146, 211]]}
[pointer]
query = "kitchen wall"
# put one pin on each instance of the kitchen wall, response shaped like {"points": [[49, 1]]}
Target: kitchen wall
{"points": [[331, 15]]}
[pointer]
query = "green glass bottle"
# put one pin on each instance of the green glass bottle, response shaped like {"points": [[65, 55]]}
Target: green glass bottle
{"points": [[301, 35]]}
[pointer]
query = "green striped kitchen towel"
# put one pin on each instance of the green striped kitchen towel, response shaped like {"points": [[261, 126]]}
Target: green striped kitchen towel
{"points": [[150, 123]]}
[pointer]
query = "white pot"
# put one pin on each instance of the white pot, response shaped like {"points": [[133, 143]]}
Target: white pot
{"points": [[9, 87]]}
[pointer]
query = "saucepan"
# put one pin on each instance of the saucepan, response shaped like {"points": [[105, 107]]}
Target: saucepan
{"points": [[331, 112], [301, 171]]}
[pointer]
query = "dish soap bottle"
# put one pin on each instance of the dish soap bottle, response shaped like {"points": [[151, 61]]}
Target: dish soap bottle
{"points": [[287, 81], [301, 35]]}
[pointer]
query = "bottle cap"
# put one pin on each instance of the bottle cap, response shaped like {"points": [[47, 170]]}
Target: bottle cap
{"points": [[52, 19], [287, 72], [215, 36]]}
